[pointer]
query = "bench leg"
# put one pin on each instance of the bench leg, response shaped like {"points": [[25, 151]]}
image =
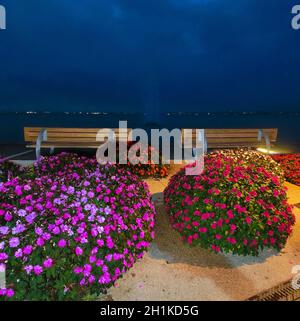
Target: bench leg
{"points": [[266, 136], [51, 150], [194, 152], [202, 141], [41, 137], [268, 143]]}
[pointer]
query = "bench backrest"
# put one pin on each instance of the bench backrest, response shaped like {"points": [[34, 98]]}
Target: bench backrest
{"points": [[220, 138], [74, 135], [216, 138]]}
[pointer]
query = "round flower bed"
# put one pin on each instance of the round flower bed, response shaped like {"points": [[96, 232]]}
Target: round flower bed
{"points": [[146, 168], [66, 236], [231, 207], [290, 164]]}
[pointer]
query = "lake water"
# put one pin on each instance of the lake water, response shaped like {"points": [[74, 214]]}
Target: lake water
{"points": [[12, 123]]}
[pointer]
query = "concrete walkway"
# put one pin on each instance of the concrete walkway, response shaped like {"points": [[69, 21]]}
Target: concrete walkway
{"points": [[173, 271]]}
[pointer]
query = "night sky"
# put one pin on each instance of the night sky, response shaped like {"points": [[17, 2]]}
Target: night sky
{"points": [[149, 55]]}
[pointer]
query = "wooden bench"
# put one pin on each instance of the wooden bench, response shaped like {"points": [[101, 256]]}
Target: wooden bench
{"points": [[71, 138], [232, 138]]}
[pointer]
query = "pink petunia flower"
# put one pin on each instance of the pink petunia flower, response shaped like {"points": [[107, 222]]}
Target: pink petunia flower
{"points": [[14, 242], [48, 263], [10, 293], [61, 243], [78, 251], [248, 220], [28, 269], [37, 269]]}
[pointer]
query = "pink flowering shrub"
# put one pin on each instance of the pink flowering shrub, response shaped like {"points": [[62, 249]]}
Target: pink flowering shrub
{"points": [[66, 236], [231, 207], [9, 170], [255, 158], [65, 165]]}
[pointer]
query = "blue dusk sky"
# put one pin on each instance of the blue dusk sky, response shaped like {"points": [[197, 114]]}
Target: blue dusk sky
{"points": [[149, 55]]}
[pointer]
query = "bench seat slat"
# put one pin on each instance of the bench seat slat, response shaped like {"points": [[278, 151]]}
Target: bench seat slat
{"points": [[218, 136], [76, 134], [66, 145], [69, 130], [74, 141], [72, 137]]}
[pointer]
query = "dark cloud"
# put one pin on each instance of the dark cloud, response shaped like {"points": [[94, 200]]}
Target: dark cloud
{"points": [[173, 55]]}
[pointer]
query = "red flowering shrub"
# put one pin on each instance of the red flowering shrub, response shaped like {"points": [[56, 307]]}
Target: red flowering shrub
{"points": [[231, 207], [73, 234], [146, 168], [290, 164]]}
